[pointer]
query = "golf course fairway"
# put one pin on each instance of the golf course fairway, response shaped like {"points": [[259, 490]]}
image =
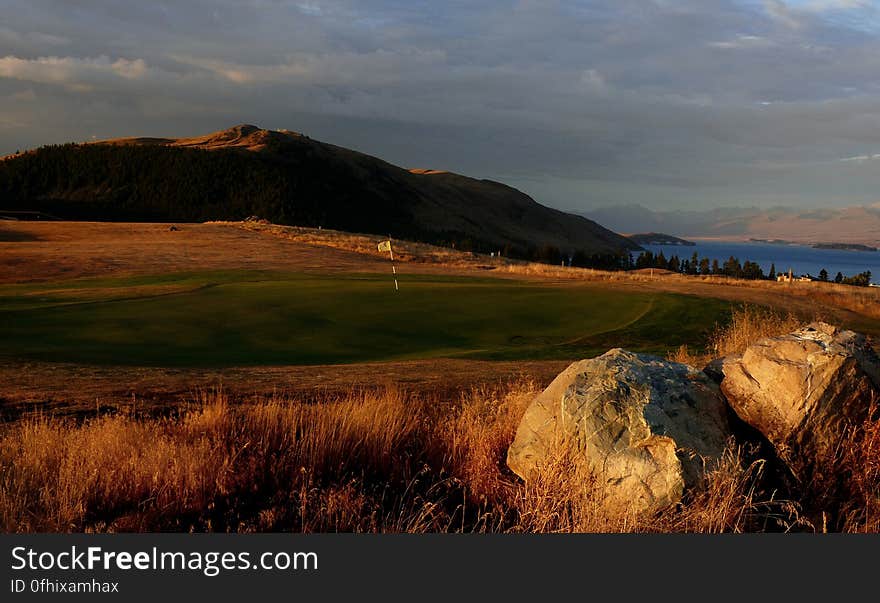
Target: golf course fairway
{"points": [[246, 318]]}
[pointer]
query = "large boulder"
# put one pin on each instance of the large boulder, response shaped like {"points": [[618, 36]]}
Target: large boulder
{"points": [[643, 426], [803, 390]]}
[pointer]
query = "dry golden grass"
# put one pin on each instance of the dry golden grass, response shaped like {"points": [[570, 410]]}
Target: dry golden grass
{"points": [[736, 498], [747, 325], [843, 490], [565, 497], [476, 438], [373, 461], [861, 462], [57, 476], [366, 244], [827, 297], [275, 464]]}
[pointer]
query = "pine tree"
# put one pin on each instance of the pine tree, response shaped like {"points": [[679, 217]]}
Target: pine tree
{"points": [[704, 266], [694, 264], [660, 261]]}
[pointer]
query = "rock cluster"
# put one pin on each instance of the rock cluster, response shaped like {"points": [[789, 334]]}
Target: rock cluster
{"points": [[649, 429]]}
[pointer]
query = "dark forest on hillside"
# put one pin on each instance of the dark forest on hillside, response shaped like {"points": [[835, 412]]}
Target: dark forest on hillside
{"points": [[140, 183]]}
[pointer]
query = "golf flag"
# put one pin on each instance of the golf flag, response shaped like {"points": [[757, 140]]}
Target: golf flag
{"points": [[386, 246]]}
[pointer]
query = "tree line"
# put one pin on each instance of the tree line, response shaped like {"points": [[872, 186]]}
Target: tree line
{"points": [[732, 267], [696, 265]]}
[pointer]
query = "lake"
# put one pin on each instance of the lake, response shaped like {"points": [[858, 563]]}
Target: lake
{"points": [[802, 259]]}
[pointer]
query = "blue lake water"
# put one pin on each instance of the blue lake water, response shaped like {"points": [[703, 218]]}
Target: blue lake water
{"points": [[802, 259]]}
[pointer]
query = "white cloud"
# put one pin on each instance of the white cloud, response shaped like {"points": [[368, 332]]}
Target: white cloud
{"points": [[8, 124], [593, 81], [12, 37], [796, 14], [783, 14], [744, 41], [310, 8], [832, 5], [26, 95], [72, 72], [368, 69], [861, 158]]}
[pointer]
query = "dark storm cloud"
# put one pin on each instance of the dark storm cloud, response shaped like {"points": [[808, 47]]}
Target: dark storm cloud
{"points": [[582, 104]]}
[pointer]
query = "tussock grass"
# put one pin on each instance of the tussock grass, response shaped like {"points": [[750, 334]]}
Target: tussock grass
{"points": [[563, 496], [372, 461], [277, 463], [860, 300], [404, 251], [58, 476], [747, 325], [844, 487], [734, 498], [861, 461]]}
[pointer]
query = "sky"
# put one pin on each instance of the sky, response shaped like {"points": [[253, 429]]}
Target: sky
{"points": [[582, 104]]}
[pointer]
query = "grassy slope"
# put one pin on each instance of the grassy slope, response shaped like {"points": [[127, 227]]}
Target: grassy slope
{"points": [[252, 318]]}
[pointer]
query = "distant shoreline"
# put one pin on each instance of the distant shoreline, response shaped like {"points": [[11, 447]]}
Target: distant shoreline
{"points": [[845, 246], [659, 238], [821, 245]]}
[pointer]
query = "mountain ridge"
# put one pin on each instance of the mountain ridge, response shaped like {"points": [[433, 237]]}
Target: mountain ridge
{"points": [[853, 225], [290, 178]]}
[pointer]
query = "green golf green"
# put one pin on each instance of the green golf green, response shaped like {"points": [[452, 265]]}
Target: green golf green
{"points": [[245, 318]]}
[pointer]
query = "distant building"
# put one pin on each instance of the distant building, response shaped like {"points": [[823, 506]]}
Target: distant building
{"points": [[785, 277], [789, 277]]}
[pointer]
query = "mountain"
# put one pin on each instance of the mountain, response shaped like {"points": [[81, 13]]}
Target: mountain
{"points": [[658, 238], [289, 178], [850, 225]]}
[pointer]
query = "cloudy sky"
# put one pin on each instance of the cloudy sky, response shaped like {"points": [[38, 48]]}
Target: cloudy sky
{"points": [[665, 103]]}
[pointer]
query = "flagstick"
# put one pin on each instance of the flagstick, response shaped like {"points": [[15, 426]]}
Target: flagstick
{"points": [[393, 269]]}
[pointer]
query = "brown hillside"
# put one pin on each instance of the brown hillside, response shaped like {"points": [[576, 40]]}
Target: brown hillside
{"points": [[432, 201]]}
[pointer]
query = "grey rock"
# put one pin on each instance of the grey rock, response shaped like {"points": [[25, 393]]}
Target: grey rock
{"points": [[647, 428], [803, 390]]}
